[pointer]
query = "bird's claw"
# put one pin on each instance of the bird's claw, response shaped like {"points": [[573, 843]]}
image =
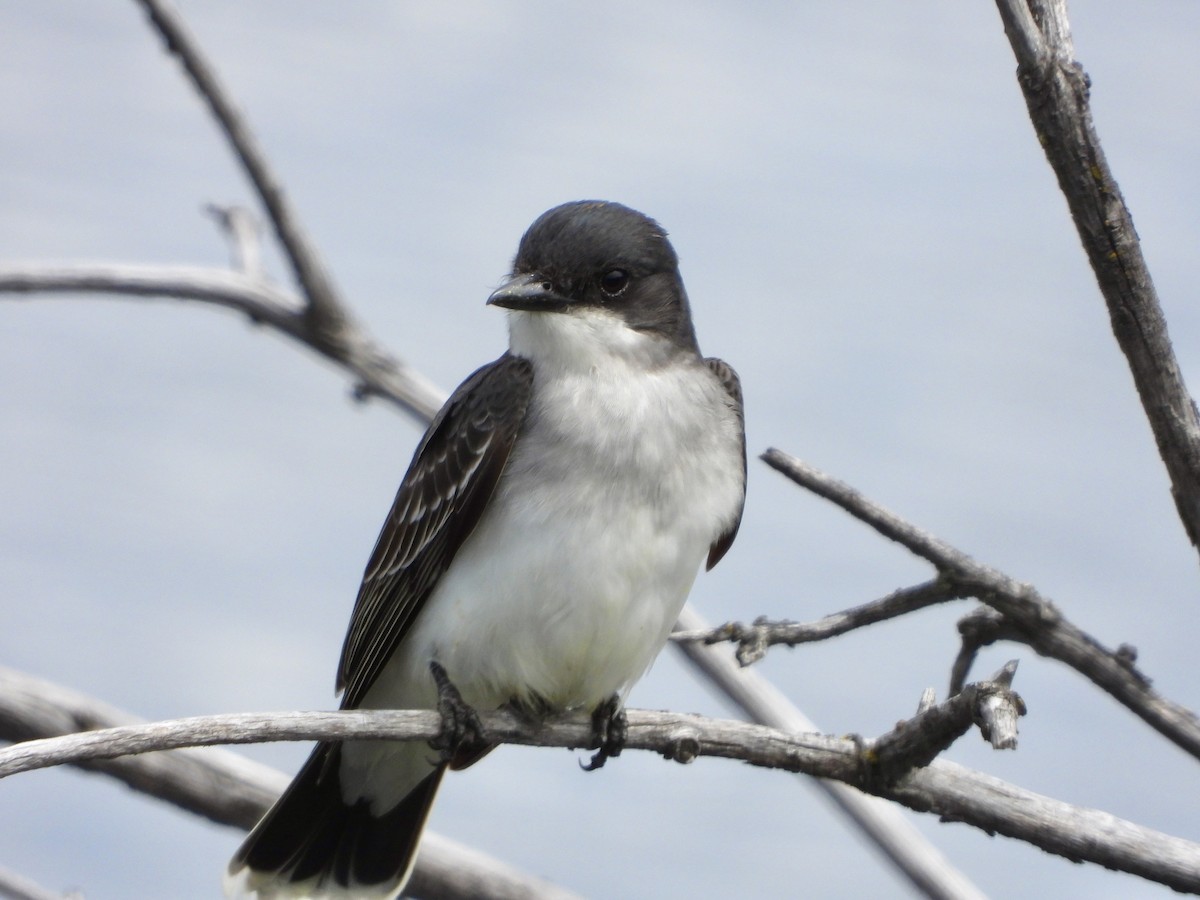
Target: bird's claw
{"points": [[609, 728], [462, 731]]}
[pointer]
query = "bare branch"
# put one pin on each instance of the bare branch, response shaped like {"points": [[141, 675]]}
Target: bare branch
{"points": [[18, 887], [232, 790], [1028, 617], [952, 792], [921, 862], [754, 640], [678, 736], [259, 299], [1056, 92], [324, 308], [378, 373], [957, 794], [918, 741], [326, 323], [979, 628]]}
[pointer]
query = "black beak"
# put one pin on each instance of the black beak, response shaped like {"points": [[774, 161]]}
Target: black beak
{"points": [[530, 292]]}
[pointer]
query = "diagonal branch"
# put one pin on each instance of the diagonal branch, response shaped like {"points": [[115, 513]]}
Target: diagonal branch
{"points": [[1056, 92], [328, 325], [1077, 833], [1028, 617], [324, 306]]}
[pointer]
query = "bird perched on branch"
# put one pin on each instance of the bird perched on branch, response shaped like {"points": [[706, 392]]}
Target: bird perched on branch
{"points": [[539, 548]]}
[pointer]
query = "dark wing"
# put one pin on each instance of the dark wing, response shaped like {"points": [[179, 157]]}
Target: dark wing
{"points": [[451, 477], [733, 387]]}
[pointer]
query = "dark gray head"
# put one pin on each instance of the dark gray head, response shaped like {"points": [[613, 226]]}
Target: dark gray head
{"points": [[595, 254]]}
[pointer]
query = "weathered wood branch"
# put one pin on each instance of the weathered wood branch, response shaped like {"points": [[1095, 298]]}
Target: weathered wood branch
{"points": [[916, 742], [323, 306], [1080, 834], [327, 323], [1028, 616], [929, 870], [1056, 91], [232, 790], [376, 372], [682, 737], [941, 788]]}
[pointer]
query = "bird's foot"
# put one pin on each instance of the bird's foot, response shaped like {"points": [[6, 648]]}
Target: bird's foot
{"points": [[461, 737], [609, 727]]}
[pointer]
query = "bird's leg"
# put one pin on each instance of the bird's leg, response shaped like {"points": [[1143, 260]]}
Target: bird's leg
{"points": [[461, 737], [609, 727]]}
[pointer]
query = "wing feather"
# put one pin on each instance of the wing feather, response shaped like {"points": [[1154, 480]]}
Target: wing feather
{"points": [[733, 387], [453, 473]]}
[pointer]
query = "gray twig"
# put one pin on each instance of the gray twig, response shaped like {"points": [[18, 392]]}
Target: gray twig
{"points": [[925, 866], [242, 229], [755, 639], [326, 323], [323, 305]]}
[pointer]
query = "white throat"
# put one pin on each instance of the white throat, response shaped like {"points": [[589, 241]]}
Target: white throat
{"points": [[582, 340]]}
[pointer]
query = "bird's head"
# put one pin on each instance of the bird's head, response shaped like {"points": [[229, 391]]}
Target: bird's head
{"points": [[600, 260]]}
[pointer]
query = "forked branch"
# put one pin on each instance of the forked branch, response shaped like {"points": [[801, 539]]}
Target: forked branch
{"points": [[1027, 616]]}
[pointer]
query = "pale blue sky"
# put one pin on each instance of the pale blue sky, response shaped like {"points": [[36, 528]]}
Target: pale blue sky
{"points": [[868, 232]]}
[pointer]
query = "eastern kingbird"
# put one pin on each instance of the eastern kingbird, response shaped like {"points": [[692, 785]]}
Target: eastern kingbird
{"points": [[540, 547]]}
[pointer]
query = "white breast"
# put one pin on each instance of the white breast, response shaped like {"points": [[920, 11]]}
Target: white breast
{"points": [[629, 468]]}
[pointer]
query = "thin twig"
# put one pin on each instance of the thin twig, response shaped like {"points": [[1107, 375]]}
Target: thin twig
{"points": [[1029, 617], [755, 639], [980, 628], [323, 304], [262, 301], [241, 227], [327, 324], [1056, 93]]}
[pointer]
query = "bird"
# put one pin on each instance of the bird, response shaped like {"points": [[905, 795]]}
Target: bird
{"points": [[539, 549]]}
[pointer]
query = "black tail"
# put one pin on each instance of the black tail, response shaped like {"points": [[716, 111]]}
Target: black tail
{"points": [[311, 839]]}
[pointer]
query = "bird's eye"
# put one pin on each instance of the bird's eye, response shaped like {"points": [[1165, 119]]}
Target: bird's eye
{"points": [[614, 281]]}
